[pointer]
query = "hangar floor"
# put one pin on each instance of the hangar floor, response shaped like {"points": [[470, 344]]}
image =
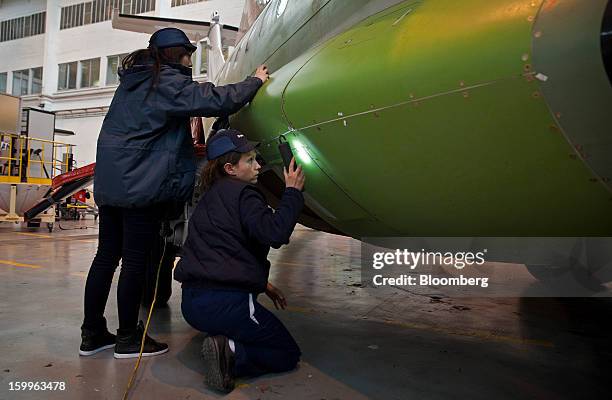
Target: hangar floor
{"points": [[357, 343]]}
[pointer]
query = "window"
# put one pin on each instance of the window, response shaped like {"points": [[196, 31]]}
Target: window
{"points": [[20, 82], [176, 3], [72, 16], [37, 75], [21, 27], [67, 76], [101, 10], [87, 70], [25, 81], [87, 14], [90, 73], [137, 6], [3, 77], [112, 66], [27, 24], [91, 12]]}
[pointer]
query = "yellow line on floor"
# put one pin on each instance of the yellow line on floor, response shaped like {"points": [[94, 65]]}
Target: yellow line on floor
{"points": [[242, 385], [86, 240], [35, 235], [61, 238], [16, 264]]}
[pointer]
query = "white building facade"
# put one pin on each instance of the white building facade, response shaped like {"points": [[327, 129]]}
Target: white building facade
{"points": [[62, 55]]}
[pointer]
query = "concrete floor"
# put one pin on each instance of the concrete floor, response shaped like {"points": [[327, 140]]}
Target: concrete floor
{"points": [[357, 343]]}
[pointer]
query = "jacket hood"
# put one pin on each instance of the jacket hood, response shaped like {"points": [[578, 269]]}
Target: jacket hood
{"points": [[133, 77]]}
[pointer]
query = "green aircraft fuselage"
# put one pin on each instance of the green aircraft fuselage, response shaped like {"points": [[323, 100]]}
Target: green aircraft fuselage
{"points": [[437, 117]]}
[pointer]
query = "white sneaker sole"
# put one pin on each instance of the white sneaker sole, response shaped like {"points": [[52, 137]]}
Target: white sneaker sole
{"points": [[135, 355], [91, 353]]}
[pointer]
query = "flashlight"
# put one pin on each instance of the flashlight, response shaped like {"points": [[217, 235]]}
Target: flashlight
{"points": [[286, 153]]}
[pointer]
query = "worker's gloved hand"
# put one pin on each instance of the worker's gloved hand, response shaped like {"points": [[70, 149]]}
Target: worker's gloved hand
{"points": [[262, 73], [277, 297]]}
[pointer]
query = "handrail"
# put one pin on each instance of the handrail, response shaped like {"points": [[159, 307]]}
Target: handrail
{"points": [[26, 159]]}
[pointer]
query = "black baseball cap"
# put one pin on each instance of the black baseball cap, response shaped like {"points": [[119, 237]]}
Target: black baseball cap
{"points": [[226, 140], [171, 37]]}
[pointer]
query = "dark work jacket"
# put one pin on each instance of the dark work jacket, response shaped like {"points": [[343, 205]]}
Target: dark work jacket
{"points": [[145, 152], [230, 234]]}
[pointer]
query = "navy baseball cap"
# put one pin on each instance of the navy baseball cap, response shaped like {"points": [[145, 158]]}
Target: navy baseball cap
{"points": [[226, 140], [171, 37]]}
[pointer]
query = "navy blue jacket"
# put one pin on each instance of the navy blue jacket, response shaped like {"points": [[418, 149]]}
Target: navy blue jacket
{"points": [[230, 234], [145, 152]]}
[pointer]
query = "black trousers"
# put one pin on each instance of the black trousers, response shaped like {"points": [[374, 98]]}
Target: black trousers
{"points": [[126, 234]]}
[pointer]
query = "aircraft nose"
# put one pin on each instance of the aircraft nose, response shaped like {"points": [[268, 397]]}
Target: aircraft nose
{"points": [[572, 59]]}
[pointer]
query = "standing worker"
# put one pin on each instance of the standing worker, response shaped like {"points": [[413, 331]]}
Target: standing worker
{"points": [[145, 162], [224, 265]]}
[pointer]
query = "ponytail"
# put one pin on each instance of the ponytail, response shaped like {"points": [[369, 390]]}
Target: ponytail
{"points": [[156, 57], [214, 169]]}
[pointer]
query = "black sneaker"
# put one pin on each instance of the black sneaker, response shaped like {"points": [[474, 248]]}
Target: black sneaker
{"points": [[128, 344], [94, 341], [219, 363]]}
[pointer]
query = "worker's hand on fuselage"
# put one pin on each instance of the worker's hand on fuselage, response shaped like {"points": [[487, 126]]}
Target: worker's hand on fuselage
{"points": [[277, 297], [295, 176], [262, 73]]}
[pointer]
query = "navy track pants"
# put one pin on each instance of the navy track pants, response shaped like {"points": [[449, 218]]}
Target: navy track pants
{"points": [[262, 342]]}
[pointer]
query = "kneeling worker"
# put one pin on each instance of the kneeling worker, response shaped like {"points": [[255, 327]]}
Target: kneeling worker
{"points": [[224, 264]]}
